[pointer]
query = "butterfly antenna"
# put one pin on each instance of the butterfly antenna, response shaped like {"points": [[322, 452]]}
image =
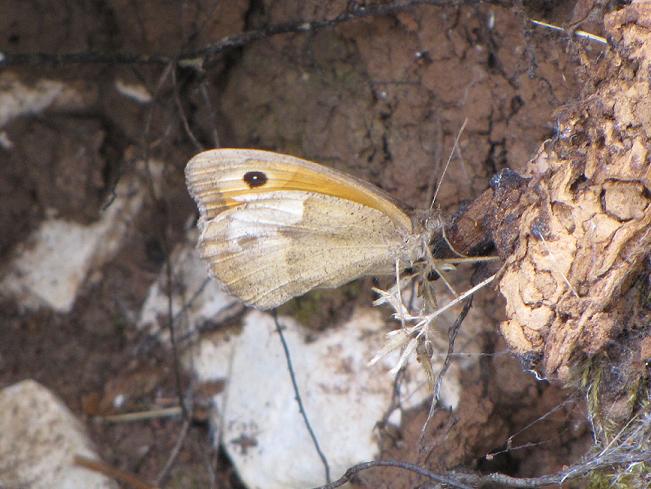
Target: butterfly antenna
{"points": [[455, 146], [432, 266], [452, 248], [399, 292]]}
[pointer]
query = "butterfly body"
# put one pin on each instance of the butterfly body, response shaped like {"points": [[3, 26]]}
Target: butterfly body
{"points": [[274, 227]]}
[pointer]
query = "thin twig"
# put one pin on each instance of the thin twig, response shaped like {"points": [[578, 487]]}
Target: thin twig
{"points": [[470, 481], [174, 345], [184, 120], [355, 469], [210, 460], [162, 230], [148, 341], [142, 415], [297, 396], [584, 34], [117, 474], [452, 336], [164, 473], [396, 398], [570, 473], [447, 163], [195, 295], [509, 441], [172, 330], [460, 298], [211, 113]]}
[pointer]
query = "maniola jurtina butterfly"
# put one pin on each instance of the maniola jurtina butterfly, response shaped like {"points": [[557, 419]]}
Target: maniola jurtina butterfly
{"points": [[274, 226]]}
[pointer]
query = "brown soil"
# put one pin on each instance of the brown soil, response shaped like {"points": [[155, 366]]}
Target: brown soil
{"points": [[381, 97]]}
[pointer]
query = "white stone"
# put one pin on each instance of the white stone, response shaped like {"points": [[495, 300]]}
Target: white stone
{"points": [[18, 98], [134, 91], [40, 439], [257, 419], [5, 142], [52, 264]]}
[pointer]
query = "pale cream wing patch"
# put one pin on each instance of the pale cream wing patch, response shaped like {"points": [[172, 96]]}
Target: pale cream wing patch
{"points": [[278, 245]]}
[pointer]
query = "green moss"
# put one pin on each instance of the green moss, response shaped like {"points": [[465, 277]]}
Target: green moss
{"points": [[599, 480], [591, 382], [612, 433], [305, 309], [322, 307], [636, 476]]}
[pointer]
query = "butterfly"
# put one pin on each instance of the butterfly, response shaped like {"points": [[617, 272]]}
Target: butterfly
{"points": [[274, 226]]}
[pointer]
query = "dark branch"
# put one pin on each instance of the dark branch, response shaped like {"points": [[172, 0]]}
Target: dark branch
{"points": [[470, 481], [452, 336], [355, 469], [203, 54], [299, 401]]}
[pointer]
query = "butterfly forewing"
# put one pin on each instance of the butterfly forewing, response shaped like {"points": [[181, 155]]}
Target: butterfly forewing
{"points": [[216, 179]]}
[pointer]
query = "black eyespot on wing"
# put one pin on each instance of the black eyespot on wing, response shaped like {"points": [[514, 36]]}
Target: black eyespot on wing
{"points": [[255, 179]]}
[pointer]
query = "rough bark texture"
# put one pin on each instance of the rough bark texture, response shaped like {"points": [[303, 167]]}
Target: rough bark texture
{"points": [[575, 279]]}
